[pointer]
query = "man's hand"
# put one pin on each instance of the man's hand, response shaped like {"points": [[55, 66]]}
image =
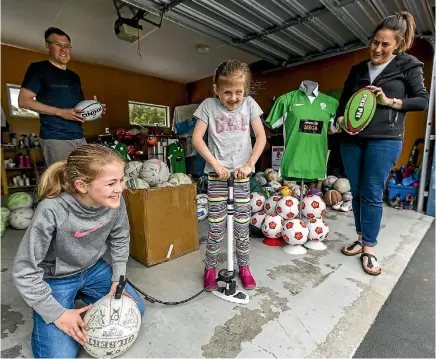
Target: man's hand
{"points": [[72, 324], [71, 114], [222, 172], [114, 289], [104, 106], [340, 121], [243, 172]]}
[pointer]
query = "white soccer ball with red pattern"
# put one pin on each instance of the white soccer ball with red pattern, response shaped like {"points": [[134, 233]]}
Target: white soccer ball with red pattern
{"points": [[288, 207], [271, 203], [295, 231], [272, 226], [257, 201], [313, 206], [257, 219], [318, 229]]}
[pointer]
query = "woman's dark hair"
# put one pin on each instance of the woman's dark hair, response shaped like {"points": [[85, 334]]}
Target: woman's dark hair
{"points": [[403, 24], [55, 30]]}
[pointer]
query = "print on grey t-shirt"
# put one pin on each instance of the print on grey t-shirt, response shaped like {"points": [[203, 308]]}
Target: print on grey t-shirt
{"points": [[229, 138]]}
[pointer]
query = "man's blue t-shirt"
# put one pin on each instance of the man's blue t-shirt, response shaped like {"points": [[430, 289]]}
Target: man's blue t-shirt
{"points": [[58, 88]]}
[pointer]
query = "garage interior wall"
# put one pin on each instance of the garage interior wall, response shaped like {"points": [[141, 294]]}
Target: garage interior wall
{"points": [[112, 86], [116, 87], [330, 74]]}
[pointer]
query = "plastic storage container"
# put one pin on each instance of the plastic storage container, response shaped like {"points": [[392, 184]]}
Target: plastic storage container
{"points": [[403, 191]]}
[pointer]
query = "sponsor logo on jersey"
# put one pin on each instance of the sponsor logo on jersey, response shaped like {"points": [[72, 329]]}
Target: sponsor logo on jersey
{"points": [[311, 126]]}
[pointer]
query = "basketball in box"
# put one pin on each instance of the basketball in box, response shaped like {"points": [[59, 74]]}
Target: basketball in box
{"points": [[163, 223], [403, 191]]}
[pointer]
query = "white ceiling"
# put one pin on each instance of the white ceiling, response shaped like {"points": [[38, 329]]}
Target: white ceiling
{"points": [[167, 52]]}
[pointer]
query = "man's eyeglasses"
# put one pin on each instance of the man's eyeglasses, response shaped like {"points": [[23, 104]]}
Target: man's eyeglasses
{"points": [[61, 46]]}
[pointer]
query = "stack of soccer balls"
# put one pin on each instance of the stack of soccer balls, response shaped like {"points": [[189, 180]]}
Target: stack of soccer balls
{"points": [[18, 212], [152, 173], [272, 183], [278, 217], [337, 193]]}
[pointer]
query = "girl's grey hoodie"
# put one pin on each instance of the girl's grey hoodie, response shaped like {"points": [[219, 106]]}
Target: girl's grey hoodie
{"points": [[64, 238]]}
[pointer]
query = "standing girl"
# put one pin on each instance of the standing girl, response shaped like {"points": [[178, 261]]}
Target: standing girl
{"points": [[82, 212], [228, 118]]}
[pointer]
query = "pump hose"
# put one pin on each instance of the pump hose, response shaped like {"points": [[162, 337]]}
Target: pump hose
{"points": [[154, 300]]}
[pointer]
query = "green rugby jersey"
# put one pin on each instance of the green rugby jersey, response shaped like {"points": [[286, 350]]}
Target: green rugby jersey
{"points": [[305, 127], [176, 155]]}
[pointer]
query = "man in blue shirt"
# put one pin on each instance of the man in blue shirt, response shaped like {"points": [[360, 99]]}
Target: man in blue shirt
{"points": [[53, 91]]}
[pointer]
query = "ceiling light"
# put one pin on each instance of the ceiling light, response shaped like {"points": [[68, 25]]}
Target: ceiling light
{"points": [[203, 48]]}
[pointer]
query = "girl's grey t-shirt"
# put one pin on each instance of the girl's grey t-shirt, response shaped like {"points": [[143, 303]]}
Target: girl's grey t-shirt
{"points": [[229, 138]]}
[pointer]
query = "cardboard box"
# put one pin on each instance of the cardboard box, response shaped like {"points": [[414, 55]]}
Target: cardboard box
{"points": [[163, 223]]}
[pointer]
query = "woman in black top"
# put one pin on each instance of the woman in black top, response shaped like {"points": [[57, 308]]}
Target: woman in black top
{"points": [[397, 80]]}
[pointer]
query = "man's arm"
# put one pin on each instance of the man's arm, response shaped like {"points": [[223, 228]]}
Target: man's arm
{"points": [[26, 100]]}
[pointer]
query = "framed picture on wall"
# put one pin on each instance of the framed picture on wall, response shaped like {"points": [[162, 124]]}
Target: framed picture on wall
{"points": [[15, 110]]}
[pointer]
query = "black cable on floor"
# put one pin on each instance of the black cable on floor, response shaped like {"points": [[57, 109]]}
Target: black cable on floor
{"points": [[154, 300]]}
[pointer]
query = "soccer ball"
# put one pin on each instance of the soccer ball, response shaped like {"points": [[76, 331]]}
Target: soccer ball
{"points": [[19, 200], [260, 178], [202, 200], [257, 219], [272, 226], [275, 186], [179, 178], [328, 183], [285, 191], [295, 231], [272, 176], [155, 172], [21, 218], [202, 212], [271, 203], [137, 183], [166, 184], [132, 169], [313, 206], [257, 200], [288, 207], [318, 229], [296, 190]]}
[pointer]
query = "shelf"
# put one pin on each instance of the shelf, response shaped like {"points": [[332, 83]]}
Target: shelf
{"points": [[18, 168], [20, 148], [24, 168], [21, 187]]}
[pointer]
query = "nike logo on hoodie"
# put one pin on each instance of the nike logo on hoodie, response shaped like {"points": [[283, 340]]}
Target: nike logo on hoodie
{"points": [[79, 234]]}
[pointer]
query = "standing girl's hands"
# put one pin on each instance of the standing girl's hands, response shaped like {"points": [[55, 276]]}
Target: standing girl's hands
{"points": [[72, 324], [243, 172], [222, 172]]}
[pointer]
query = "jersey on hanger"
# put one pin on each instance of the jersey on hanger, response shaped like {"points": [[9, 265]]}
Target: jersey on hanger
{"points": [[305, 127], [176, 155]]}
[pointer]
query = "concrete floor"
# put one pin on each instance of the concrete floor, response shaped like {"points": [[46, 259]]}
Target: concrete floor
{"points": [[320, 304], [405, 327]]}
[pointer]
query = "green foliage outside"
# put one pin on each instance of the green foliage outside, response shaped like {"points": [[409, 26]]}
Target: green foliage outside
{"points": [[145, 115]]}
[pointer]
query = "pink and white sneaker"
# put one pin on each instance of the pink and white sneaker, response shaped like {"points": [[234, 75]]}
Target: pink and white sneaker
{"points": [[247, 279], [210, 277]]}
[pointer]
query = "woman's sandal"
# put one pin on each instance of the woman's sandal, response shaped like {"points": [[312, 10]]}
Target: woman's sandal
{"points": [[347, 250], [369, 264]]}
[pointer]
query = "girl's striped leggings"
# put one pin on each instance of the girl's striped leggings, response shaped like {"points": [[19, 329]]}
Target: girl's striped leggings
{"points": [[217, 198]]}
